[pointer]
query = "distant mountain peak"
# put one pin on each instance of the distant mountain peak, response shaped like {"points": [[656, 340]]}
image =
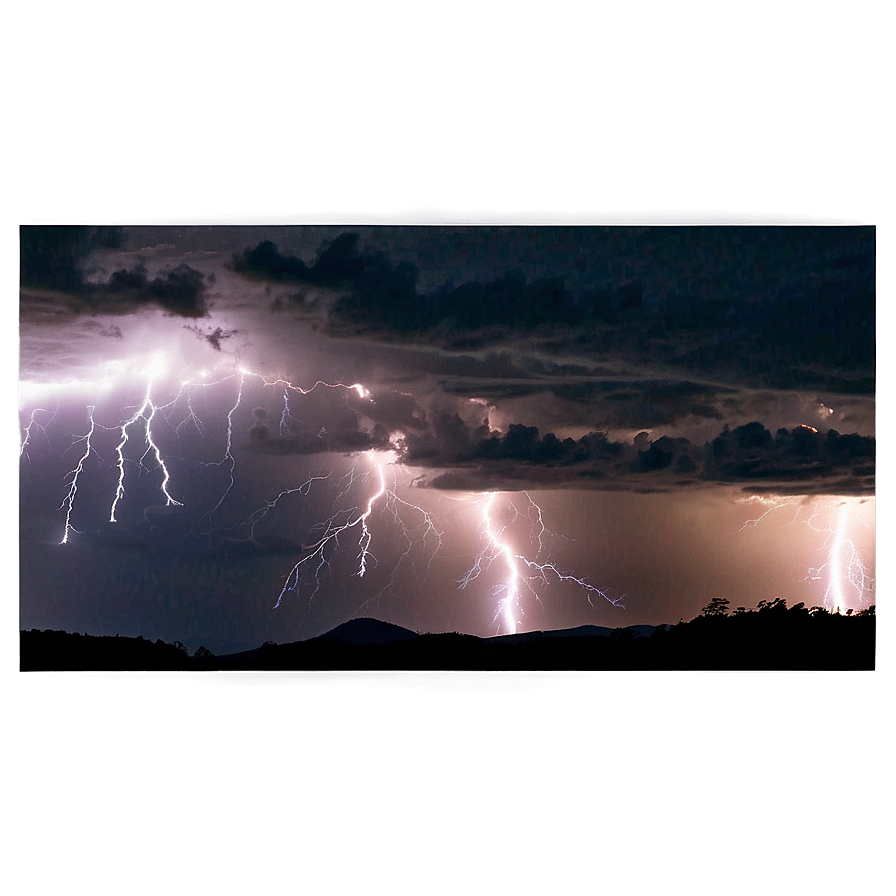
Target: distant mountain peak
{"points": [[367, 630]]}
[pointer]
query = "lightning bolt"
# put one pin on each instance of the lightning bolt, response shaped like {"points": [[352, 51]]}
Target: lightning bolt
{"points": [[333, 531], [69, 500], [342, 521], [191, 414], [228, 457], [258, 515], [285, 417], [32, 423], [426, 526], [508, 590], [846, 574], [151, 448], [362, 391], [843, 573]]}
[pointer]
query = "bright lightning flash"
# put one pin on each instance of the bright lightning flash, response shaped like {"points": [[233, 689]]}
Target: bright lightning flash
{"points": [[358, 521], [847, 578], [146, 412], [508, 590], [69, 500], [844, 575]]}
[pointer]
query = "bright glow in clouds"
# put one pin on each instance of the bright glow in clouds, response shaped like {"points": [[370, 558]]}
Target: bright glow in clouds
{"points": [[101, 376], [512, 526]]}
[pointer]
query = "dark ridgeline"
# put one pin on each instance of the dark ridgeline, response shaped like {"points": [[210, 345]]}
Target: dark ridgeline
{"points": [[771, 637]]}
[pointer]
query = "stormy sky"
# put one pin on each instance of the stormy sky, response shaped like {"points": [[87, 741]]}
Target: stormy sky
{"points": [[364, 114], [619, 405]]}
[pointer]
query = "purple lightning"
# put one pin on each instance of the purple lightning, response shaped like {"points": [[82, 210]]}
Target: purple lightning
{"points": [[331, 535], [32, 423], [334, 528], [508, 590], [151, 447], [228, 455], [69, 500]]}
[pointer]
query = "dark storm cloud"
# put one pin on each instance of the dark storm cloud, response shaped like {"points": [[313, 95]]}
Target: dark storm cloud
{"points": [[786, 307], [54, 257], [799, 460], [352, 424], [391, 291], [57, 278], [379, 295], [647, 403], [214, 337], [180, 291], [448, 439], [335, 421], [390, 409]]}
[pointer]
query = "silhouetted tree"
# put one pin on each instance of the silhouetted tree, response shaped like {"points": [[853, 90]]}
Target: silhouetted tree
{"points": [[718, 606]]}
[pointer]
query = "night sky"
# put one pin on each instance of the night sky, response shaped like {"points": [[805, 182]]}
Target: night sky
{"points": [[475, 429]]}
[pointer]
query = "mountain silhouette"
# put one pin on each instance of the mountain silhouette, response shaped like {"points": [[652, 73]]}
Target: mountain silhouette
{"points": [[773, 637], [368, 631]]}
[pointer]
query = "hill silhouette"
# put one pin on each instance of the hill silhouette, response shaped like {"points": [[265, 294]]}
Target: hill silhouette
{"points": [[368, 631], [772, 637]]}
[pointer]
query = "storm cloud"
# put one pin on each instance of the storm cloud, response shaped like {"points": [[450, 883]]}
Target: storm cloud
{"points": [[797, 461], [58, 279]]}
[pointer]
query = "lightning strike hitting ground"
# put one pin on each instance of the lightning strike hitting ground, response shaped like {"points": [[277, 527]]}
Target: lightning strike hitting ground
{"points": [[847, 583], [847, 580], [508, 590]]}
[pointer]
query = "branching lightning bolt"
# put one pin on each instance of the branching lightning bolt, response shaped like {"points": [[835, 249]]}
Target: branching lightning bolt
{"points": [[843, 571], [508, 590], [151, 447], [69, 500], [32, 424], [332, 533], [258, 515], [844, 567], [356, 519], [228, 455]]}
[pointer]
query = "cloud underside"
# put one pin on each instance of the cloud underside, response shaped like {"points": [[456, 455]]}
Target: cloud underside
{"points": [[458, 454]]}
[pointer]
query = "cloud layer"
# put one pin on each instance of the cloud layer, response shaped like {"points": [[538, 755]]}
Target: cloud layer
{"points": [[57, 278], [458, 449], [788, 307]]}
